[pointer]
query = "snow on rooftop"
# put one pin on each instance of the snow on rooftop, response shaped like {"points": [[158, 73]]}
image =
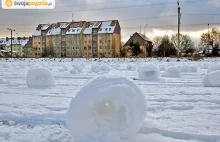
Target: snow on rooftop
{"points": [[37, 33], [54, 31], [44, 27], [74, 31], [64, 25], [21, 42], [106, 27], [90, 26]]}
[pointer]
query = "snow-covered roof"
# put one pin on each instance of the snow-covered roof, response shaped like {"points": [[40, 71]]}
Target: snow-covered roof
{"points": [[107, 27], [90, 26], [44, 27], [74, 31], [40, 27], [64, 25], [144, 37], [75, 27], [16, 41], [54, 31], [36, 33]]}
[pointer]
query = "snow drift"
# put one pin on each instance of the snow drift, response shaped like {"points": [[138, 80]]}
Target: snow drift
{"points": [[173, 72], [106, 108], [149, 72], [39, 78], [212, 79]]}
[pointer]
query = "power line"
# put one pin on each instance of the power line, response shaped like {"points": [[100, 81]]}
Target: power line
{"points": [[144, 18], [160, 26], [122, 7]]}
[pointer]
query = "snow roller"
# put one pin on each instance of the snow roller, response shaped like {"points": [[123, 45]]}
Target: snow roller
{"points": [[39, 78], [106, 108]]}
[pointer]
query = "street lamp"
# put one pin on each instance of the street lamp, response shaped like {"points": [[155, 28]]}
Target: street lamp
{"points": [[12, 30], [145, 28]]}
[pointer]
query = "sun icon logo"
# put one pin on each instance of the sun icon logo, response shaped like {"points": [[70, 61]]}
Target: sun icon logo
{"points": [[8, 3]]}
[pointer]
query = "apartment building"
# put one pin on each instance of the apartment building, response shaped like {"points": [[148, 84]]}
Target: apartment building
{"points": [[74, 39], [90, 38], [39, 40], [78, 39], [109, 39]]}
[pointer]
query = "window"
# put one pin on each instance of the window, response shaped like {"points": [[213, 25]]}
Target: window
{"points": [[100, 41], [39, 54], [109, 47], [73, 47], [105, 47], [105, 53], [39, 48], [100, 47], [63, 39], [85, 42], [39, 43], [77, 47], [106, 29], [89, 53], [77, 30], [109, 53], [73, 42], [89, 47], [109, 41], [73, 30], [84, 48], [100, 29], [36, 54], [109, 29]]}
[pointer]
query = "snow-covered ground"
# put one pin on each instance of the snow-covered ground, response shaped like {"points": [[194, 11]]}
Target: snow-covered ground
{"points": [[178, 109]]}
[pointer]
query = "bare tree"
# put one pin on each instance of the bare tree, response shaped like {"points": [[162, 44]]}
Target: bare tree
{"points": [[186, 43]]}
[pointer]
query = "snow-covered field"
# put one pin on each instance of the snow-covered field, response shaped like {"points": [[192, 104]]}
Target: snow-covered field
{"points": [[179, 108]]}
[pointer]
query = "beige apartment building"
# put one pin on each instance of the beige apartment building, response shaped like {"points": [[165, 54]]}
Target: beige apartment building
{"points": [[78, 39]]}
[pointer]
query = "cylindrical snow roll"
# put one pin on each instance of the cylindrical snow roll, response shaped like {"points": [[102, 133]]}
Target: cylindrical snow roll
{"points": [[212, 79], [105, 106], [39, 78]]}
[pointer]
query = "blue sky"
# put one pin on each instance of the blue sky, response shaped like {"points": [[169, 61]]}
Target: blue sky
{"points": [[161, 16]]}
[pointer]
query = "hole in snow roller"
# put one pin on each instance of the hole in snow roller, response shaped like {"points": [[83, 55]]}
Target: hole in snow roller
{"points": [[107, 106]]}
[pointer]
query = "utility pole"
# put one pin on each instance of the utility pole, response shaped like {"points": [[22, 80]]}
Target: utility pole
{"points": [[179, 18], [12, 30]]}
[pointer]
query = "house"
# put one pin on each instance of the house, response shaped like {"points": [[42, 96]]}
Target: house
{"points": [[17, 45], [143, 40]]}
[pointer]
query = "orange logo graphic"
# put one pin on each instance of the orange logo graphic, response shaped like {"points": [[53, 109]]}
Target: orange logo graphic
{"points": [[8, 3]]}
